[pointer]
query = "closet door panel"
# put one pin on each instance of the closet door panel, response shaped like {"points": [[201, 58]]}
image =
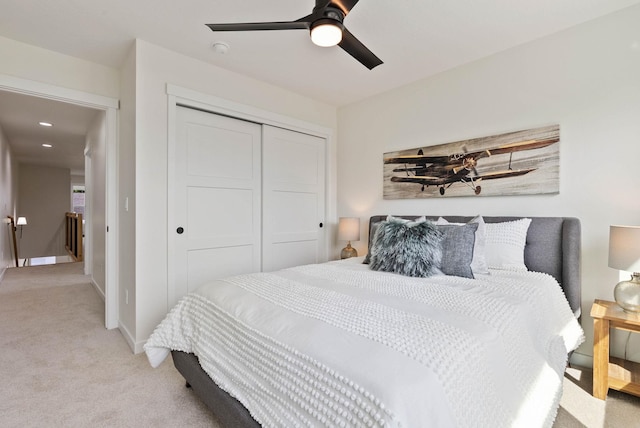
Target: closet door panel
{"points": [[215, 226], [290, 253], [216, 221], [215, 152], [294, 216], [292, 158], [293, 198], [233, 260]]}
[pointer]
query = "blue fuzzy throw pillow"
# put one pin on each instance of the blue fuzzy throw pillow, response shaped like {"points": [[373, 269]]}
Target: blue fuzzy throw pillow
{"points": [[411, 248]]}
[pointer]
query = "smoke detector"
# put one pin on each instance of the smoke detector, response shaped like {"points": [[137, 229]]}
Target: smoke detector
{"points": [[220, 47]]}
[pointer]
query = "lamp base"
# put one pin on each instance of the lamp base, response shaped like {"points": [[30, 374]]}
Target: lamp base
{"points": [[348, 252], [627, 294]]}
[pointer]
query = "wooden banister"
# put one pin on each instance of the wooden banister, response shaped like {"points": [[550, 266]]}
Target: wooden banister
{"points": [[13, 235], [74, 235]]}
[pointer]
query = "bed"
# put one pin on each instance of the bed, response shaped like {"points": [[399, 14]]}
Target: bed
{"points": [[338, 344]]}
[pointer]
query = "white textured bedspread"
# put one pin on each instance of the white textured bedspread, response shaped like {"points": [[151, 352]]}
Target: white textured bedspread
{"points": [[336, 344]]}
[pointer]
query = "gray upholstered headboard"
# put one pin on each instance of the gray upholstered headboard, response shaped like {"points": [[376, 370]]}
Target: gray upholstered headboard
{"points": [[553, 246]]}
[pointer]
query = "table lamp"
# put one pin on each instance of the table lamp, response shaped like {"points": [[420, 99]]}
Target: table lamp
{"points": [[624, 254], [349, 230]]}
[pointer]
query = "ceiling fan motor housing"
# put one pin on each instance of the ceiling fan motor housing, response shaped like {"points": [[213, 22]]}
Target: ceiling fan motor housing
{"points": [[333, 14]]}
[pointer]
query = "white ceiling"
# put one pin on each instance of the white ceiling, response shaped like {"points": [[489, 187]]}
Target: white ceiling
{"points": [[414, 38], [19, 117]]}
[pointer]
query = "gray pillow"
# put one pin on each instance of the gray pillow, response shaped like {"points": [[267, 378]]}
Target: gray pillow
{"points": [[407, 247], [479, 262], [374, 229], [457, 249]]}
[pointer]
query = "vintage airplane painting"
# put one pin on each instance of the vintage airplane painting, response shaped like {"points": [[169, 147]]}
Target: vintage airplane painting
{"points": [[516, 163]]}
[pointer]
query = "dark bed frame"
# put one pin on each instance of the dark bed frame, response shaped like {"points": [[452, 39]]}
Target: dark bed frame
{"points": [[553, 246]]}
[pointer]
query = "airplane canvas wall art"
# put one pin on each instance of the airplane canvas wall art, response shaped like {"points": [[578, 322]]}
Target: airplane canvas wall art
{"points": [[515, 163]]}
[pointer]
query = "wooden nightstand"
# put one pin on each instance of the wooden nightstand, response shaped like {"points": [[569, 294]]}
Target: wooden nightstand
{"points": [[608, 372]]}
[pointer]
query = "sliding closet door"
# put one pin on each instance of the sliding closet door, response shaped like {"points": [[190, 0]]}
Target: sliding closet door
{"points": [[293, 198], [216, 221]]}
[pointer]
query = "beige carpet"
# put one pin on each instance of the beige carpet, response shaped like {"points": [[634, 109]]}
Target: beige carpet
{"points": [[60, 367], [579, 408]]}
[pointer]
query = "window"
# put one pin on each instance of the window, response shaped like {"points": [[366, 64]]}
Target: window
{"points": [[77, 199]]}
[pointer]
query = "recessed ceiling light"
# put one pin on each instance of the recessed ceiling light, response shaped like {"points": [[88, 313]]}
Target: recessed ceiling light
{"points": [[45, 124], [47, 145]]}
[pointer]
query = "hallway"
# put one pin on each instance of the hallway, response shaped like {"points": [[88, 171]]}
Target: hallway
{"points": [[60, 367]]}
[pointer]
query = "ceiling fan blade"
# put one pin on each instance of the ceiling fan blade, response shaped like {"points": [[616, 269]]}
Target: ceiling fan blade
{"points": [[356, 49], [321, 4], [308, 19], [344, 5], [258, 26]]}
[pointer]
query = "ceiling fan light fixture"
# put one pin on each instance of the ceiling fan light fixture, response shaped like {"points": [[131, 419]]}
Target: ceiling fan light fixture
{"points": [[326, 32]]}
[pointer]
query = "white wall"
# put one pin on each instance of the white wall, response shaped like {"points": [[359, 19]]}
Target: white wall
{"points": [[95, 142], [8, 184], [77, 179], [41, 186], [42, 65], [155, 67], [126, 189], [587, 79]]}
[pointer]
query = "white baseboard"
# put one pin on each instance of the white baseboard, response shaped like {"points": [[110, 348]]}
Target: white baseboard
{"points": [[139, 347], [127, 336], [581, 360], [100, 292], [136, 347]]}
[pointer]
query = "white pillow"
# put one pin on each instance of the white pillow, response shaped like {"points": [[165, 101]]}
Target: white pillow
{"points": [[505, 244], [406, 220], [479, 261]]}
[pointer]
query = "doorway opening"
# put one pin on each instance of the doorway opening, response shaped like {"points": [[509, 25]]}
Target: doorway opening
{"points": [[107, 108]]}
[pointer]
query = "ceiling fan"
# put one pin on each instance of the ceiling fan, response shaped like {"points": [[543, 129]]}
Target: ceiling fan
{"points": [[326, 26]]}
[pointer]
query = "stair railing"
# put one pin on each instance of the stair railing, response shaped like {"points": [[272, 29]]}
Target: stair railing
{"points": [[74, 235]]}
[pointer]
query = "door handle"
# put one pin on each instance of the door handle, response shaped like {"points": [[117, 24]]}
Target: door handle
{"points": [[180, 230], [321, 224]]}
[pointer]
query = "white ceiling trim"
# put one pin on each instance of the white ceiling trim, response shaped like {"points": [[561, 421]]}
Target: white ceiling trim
{"points": [[56, 93], [192, 98]]}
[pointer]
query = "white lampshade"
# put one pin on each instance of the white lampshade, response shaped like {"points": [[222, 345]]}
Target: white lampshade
{"points": [[22, 221], [349, 229], [327, 33], [624, 248]]}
